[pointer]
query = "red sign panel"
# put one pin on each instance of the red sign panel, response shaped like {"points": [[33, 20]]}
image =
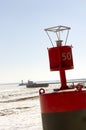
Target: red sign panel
{"points": [[60, 57]]}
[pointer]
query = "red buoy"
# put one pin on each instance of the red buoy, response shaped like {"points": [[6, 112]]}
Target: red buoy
{"points": [[64, 109]]}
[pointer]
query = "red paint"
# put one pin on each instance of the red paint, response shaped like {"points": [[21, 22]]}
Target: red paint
{"points": [[63, 79], [63, 101], [60, 58]]}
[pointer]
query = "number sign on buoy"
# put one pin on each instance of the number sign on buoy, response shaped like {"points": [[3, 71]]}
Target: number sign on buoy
{"points": [[60, 58]]}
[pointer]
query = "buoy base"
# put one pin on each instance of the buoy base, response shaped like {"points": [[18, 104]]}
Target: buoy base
{"points": [[63, 110], [75, 120]]}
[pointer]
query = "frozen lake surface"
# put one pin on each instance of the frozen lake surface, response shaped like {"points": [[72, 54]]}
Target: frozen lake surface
{"points": [[19, 108]]}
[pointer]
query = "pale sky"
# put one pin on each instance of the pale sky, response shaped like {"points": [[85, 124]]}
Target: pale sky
{"points": [[23, 42]]}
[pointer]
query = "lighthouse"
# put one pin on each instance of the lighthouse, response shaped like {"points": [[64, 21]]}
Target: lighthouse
{"points": [[63, 108]]}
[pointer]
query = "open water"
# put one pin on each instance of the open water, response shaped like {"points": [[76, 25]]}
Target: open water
{"points": [[20, 108]]}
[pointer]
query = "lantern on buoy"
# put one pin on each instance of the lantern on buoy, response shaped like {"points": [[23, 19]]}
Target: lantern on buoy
{"points": [[64, 109]]}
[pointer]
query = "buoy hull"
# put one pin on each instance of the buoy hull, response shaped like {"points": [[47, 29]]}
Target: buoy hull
{"points": [[63, 110]]}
